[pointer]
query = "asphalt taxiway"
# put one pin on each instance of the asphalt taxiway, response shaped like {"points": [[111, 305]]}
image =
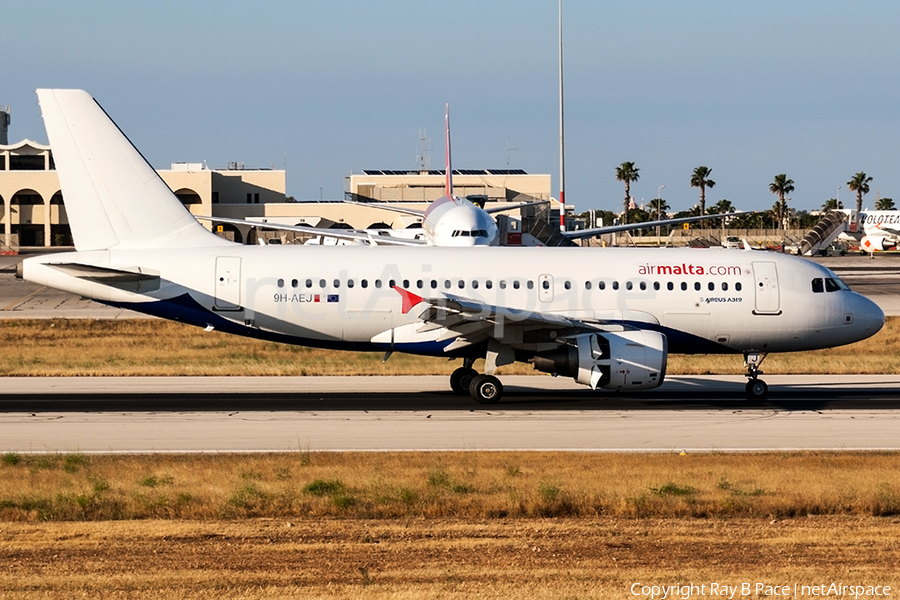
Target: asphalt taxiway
{"points": [[419, 413]]}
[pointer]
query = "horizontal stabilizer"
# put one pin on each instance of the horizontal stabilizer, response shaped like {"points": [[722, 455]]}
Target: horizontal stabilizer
{"points": [[130, 281]]}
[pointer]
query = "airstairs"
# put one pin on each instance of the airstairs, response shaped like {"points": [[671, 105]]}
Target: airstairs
{"points": [[828, 228], [548, 234]]}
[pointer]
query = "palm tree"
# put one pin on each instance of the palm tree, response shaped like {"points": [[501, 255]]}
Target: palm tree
{"points": [[627, 173], [860, 185], [658, 207], [700, 179], [781, 186], [832, 204], [885, 204], [722, 207]]}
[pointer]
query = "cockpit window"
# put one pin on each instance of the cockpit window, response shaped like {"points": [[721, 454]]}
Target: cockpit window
{"points": [[828, 284], [831, 285], [470, 233]]}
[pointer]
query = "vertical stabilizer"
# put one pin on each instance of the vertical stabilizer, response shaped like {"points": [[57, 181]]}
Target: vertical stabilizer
{"points": [[113, 197]]}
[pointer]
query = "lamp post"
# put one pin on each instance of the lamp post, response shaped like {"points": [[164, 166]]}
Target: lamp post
{"points": [[658, 202]]}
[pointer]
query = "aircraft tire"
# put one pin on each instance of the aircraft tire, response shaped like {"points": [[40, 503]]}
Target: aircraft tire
{"points": [[756, 388], [461, 379], [486, 389]]}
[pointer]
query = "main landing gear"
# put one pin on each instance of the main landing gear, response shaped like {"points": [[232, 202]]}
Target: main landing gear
{"points": [[484, 389], [756, 387]]}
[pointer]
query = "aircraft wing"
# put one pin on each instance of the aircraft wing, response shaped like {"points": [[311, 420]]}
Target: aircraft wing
{"points": [[340, 234], [465, 321], [504, 208], [576, 235], [386, 206]]}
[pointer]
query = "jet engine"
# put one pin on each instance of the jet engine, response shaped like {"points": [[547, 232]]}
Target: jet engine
{"points": [[622, 360], [872, 243]]}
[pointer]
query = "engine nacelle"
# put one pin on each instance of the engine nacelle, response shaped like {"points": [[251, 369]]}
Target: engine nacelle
{"points": [[873, 243], [632, 360]]}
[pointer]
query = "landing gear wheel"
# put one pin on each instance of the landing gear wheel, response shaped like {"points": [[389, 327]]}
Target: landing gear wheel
{"points": [[486, 389], [756, 388], [461, 379]]}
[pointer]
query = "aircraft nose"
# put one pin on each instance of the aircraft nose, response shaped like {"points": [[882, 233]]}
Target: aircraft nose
{"points": [[868, 318]]}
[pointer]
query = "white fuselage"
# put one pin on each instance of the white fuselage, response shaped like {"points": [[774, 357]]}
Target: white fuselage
{"points": [[704, 301], [457, 222]]}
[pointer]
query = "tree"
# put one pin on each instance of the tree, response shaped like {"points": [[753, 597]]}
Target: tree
{"points": [[700, 179], [627, 173], [658, 206], [885, 204], [832, 204], [780, 186], [859, 184], [722, 207]]}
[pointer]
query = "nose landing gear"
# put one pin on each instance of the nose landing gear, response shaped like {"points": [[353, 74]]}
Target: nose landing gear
{"points": [[756, 387]]}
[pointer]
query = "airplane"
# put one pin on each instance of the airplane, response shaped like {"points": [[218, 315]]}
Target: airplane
{"points": [[607, 317], [881, 230], [450, 220]]}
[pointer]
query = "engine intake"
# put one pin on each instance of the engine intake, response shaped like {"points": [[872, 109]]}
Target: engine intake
{"points": [[633, 360]]}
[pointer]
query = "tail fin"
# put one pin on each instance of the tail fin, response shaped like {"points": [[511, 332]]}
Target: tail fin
{"points": [[113, 197], [449, 183]]}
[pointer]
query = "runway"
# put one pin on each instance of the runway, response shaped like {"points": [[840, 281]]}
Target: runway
{"points": [[216, 414], [419, 413]]}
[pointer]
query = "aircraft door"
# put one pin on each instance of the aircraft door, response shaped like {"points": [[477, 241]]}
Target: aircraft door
{"points": [[545, 288], [228, 283], [765, 280]]}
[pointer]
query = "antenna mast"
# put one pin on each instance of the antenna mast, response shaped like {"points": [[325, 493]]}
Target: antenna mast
{"points": [[562, 135]]}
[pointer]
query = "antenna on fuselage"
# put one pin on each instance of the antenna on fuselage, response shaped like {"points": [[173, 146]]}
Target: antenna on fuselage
{"points": [[449, 181]]}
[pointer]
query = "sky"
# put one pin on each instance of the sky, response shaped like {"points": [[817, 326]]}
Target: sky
{"points": [[323, 89]]}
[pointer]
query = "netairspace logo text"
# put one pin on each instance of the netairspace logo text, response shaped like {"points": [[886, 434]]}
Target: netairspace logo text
{"points": [[684, 591]]}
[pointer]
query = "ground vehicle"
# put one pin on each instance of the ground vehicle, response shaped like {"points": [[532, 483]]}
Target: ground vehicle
{"points": [[732, 241], [835, 248]]}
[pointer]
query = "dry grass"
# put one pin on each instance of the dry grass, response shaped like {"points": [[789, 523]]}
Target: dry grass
{"points": [[438, 559], [154, 347], [398, 526], [473, 486]]}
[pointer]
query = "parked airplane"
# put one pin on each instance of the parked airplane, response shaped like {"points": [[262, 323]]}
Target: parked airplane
{"points": [[450, 220], [608, 317], [881, 229]]}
